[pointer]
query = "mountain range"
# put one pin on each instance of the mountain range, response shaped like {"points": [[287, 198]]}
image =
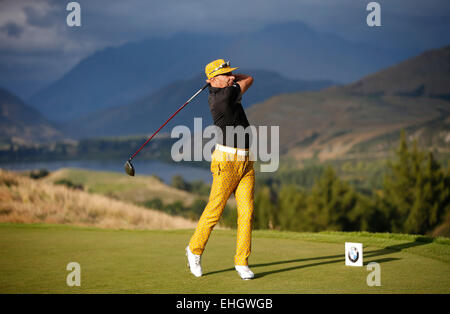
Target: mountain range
{"points": [[147, 113], [119, 75], [316, 118], [424, 76], [23, 124], [365, 117]]}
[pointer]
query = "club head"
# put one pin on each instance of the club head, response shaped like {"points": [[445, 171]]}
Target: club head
{"points": [[129, 169]]}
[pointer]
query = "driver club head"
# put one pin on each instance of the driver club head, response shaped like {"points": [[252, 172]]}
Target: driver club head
{"points": [[129, 169]]}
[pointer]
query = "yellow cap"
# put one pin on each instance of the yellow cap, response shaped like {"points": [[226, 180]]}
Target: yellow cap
{"points": [[218, 67]]}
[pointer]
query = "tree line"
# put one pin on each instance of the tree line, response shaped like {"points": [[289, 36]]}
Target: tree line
{"points": [[414, 197]]}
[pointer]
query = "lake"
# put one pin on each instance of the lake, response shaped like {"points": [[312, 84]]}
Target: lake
{"points": [[161, 169]]}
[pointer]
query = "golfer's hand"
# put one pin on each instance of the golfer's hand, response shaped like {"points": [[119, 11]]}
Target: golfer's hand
{"points": [[244, 81]]}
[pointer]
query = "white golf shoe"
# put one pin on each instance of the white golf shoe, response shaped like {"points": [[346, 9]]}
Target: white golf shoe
{"points": [[244, 272], [194, 262]]}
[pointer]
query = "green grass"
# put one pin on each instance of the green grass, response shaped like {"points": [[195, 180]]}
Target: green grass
{"points": [[137, 190], [33, 259], [102, 182]]}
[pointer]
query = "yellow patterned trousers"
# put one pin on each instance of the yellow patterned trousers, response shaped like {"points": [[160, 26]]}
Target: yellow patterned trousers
{"points": [[231, 173]]}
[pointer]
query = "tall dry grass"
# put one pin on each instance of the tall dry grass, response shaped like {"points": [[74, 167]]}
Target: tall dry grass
{"points": [[24, 200]]}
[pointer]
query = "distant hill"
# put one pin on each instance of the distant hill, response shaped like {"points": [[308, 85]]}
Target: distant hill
{"points": [[425, 75], [148, 113], [21, 123], [119, 75], [364, 118]]}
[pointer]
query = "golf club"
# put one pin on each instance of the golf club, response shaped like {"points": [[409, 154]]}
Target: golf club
{"points": [[129, 169]]}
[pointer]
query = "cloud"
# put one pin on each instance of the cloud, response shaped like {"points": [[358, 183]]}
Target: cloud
{"points": [[11, 29], [40, 17], [37, 29], [113, 22]]}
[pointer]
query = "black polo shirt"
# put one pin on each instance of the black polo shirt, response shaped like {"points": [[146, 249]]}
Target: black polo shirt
{"points": [[226, 110]]}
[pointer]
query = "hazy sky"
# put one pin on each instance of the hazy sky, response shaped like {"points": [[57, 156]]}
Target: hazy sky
{"points": [[37, 46]]}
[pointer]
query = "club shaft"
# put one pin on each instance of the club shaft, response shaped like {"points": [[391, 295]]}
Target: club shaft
{"points": [[173, 115]]}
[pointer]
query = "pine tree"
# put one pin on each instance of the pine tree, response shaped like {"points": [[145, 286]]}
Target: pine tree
{"points": [[331, 203], [432, 200], [416, 194], [263, 214], [398, 187], [291, 209]]}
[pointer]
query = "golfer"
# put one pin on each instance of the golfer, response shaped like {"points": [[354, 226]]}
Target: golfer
{"points": [[231, 167]]}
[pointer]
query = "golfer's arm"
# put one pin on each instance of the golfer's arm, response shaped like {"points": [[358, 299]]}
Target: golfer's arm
{"points": [[244, 81]]}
